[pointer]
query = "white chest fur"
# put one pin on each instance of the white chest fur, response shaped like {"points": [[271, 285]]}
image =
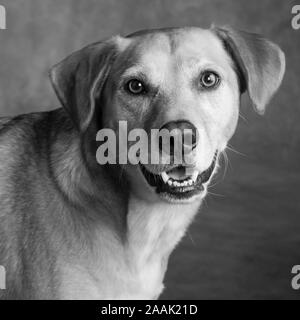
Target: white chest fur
{"points": [[153, 232]]}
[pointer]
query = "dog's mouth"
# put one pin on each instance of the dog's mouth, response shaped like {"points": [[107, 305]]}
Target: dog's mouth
{"points": [[179, 183]]}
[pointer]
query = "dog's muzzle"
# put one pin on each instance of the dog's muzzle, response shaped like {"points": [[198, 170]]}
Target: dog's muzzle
{"points": [[178, 181]]}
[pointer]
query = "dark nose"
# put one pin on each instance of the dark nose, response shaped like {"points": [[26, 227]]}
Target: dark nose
{"points": [[183, 133]]}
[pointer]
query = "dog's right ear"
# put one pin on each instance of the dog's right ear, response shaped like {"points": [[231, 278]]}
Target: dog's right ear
{"points": [[79, 79]]}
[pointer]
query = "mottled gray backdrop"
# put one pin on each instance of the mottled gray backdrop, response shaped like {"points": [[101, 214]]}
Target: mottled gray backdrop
{"points": [[246, 238]]}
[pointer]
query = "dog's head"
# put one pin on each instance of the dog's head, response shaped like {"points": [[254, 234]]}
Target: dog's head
{"points": [[186, 81]]}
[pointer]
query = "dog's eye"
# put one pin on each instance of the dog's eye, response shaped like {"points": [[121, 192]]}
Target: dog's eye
{"points": [[135, 86], [209, 79]]}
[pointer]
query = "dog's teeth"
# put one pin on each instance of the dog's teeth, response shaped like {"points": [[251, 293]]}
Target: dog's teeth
{"points": [[195, 176], [165, 177], [177, 183]]}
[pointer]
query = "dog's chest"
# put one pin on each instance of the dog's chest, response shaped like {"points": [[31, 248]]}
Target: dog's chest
{"points": [[134, 269]]}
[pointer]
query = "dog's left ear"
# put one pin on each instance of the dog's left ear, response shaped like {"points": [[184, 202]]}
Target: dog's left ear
{"points": [[79, 79], [259, 62]]}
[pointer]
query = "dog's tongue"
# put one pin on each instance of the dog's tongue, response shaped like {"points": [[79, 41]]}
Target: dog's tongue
{"points": [[178, 173]]}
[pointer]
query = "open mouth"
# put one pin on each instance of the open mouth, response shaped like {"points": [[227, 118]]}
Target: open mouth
{"points": [[176, 183]]}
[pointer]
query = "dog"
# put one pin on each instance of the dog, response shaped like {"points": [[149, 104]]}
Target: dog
{"points": [[73, 229]]}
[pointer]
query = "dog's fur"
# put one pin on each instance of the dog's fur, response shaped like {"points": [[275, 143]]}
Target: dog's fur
{"points": [[72, 229]]}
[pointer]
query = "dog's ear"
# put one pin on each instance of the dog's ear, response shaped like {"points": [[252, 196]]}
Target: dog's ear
{"points": [[260, 64], [79, 79]]}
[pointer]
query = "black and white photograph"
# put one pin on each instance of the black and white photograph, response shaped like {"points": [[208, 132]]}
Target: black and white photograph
{"points": [[149, 150]]}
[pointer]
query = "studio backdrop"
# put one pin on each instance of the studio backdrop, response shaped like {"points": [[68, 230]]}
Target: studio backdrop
{"points": [[246, 238]]}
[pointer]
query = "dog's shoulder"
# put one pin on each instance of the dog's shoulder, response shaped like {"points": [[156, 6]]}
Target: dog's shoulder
{"points": [[25, 143], [17, 135], [28, 133]]}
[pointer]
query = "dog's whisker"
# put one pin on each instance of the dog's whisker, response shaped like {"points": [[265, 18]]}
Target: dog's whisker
{"points": [[191, 238], [214, 184], [227, 163], [204, 201], [243, 118], [236, 151], [215, 194]]}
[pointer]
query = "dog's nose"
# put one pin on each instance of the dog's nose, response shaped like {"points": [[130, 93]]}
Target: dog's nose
{"points": [[183, 133]]}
